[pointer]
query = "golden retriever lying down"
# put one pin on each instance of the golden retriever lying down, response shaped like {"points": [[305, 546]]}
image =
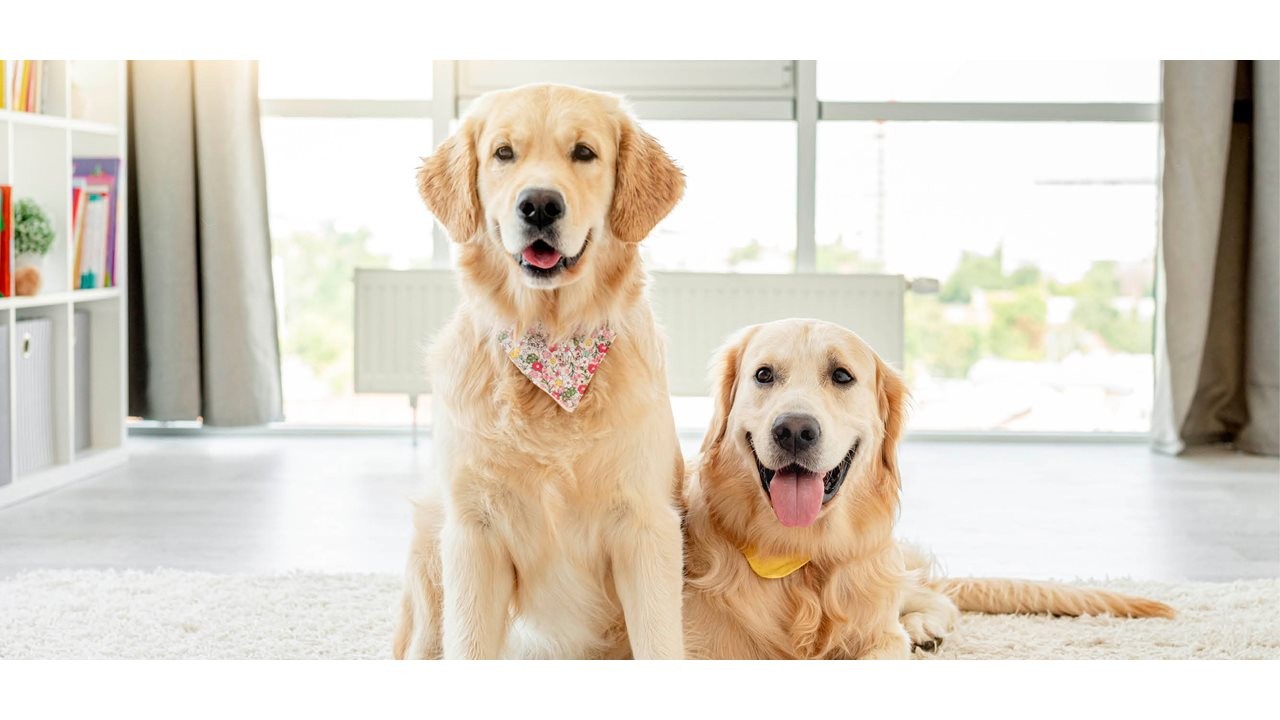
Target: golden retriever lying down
{"points": [[789, 547], [554, 530]]}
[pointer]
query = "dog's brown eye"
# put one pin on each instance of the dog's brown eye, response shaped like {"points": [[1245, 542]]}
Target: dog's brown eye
{"points": [[842, 376], [764, 376], [504, 153], [582, 153]]}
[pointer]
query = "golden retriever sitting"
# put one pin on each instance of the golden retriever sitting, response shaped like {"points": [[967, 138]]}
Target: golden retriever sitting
{"points": [[553, 531], [790, 511]]}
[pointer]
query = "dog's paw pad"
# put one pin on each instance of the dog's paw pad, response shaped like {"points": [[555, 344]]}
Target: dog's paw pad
{"points": [[926, 631], [929, 645]]}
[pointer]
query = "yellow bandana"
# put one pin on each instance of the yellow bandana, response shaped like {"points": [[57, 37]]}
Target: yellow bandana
{"points": [[773, 566]]}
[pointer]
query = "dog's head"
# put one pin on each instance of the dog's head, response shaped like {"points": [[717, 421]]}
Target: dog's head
{"points": [[548, 185], [804, 436]]}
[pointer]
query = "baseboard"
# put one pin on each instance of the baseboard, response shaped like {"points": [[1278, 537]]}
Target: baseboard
{"points": [[89, 463]]}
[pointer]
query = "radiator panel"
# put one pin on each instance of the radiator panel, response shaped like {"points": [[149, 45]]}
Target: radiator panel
{"points": [[698, 311], [397, 312]]}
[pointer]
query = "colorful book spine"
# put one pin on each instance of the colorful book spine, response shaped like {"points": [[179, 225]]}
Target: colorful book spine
{"points": [[33, 91], [17, 86], [78, 200], [25, 85], [92, 274], [100, 174]]}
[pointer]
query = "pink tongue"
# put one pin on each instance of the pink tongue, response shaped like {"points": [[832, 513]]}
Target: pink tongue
{"points": [[797, 498], [540, 258]]}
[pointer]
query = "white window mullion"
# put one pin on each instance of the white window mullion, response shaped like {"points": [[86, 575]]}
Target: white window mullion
{"points": [[806, 164]]}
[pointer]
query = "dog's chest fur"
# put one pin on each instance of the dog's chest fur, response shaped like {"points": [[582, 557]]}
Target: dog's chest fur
{"points": [[821, 611], [551, 484]]}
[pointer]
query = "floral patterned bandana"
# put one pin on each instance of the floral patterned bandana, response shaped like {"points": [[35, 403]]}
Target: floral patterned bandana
{"points": [[563, 370]]}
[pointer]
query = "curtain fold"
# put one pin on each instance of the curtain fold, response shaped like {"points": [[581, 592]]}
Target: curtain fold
{"points": [[1218, 367], [1262, 361], [203, 341]]}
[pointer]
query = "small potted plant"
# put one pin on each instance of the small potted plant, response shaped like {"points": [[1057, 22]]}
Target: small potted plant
{"points": [[33, 236]]}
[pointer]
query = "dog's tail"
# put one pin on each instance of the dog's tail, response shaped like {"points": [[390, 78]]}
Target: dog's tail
{"points": [[1001, 597], [404, 628]]}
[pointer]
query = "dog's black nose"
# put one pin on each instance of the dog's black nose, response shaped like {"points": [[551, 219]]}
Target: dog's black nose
{"points": [[795, 432], [540, 207]]}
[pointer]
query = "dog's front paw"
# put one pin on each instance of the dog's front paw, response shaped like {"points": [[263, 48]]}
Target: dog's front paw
{"points": [[927, 629]]}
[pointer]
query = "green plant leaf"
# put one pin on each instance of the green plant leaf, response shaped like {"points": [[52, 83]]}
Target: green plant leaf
{"points": [[32, 231]]}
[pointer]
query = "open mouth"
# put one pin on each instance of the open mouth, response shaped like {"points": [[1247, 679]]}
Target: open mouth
{"points": [[797, 493], [542, 260]]}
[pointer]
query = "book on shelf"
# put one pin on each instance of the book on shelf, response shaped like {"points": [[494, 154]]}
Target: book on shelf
{"points": [[79, 198], [93, 195], [6, 241], [25, 85]]}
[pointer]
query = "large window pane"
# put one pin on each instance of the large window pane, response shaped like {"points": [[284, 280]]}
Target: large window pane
{"points": [[739, 211], [990, 81], [344, 78], [1043, 235], [342, 195]]}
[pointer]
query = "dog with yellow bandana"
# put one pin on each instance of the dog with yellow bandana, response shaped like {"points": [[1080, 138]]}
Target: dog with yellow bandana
{"points": [[790, 508]]}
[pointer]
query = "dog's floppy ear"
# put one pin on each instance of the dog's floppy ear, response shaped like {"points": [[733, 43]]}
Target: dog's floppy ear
{"points": [[447, 182], [891, 392], [647, 185], [726, 365]]}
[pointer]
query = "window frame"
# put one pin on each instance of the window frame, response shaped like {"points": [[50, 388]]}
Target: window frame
{"points": [[797, 103]]}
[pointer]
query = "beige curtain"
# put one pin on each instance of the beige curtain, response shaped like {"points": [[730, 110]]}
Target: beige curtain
{"points": [[203, 340], [1218, 352]]}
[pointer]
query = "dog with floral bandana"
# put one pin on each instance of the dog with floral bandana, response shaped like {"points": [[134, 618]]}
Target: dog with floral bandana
{"points": [[551, 528]]}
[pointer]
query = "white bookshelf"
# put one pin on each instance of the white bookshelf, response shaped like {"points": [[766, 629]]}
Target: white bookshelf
{"points": [[84, 114]]}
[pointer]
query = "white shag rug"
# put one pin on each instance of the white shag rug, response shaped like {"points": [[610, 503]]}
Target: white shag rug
{"points": [[175, 614]]}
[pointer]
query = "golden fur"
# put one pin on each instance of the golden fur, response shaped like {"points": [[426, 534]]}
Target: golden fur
{"points": [[548, 533], [863, 594]]}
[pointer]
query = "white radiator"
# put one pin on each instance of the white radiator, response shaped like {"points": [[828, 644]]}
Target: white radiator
{"points": [[398, 311], [699, 310]]}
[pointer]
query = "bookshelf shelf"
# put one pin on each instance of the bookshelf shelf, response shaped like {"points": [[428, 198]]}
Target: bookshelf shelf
{"points": [[57, 122], [59, 298], [84, 114]]}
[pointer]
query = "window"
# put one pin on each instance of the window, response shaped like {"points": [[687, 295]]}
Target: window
{"points": [[1043, 236], [357, 174], [341, 194], [1011, 81], [1042, 232], [739, 210], [1027, 188]]}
